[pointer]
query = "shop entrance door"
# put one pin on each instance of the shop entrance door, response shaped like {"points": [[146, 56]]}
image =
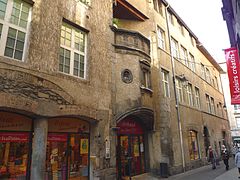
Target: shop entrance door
{"points": [[130, 148], [131, 156]]}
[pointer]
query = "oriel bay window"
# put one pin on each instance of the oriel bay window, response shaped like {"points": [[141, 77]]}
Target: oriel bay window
{"points": [[193, 145], [15, 18], [72, 56]]}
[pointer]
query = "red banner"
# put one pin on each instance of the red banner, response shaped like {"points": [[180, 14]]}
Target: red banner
{"points": [[14, 137], [57, 137], [233, 69]]}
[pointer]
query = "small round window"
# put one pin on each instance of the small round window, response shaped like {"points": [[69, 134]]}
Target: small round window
{"points": [[127, 76]]}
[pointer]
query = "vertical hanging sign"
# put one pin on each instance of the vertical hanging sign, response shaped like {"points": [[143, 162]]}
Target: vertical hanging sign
{"points": [[233, 69]]}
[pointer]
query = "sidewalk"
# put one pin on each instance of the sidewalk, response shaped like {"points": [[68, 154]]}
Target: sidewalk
{"points": [[229, 175]]}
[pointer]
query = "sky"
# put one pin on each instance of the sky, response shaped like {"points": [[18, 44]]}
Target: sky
{"points": [[205, 20]]}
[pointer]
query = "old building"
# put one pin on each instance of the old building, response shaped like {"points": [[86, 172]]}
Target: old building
{"points": [[179, 81], [95, 89]]}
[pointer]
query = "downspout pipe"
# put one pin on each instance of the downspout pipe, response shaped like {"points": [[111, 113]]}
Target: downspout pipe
{"points": [[175, 92]]}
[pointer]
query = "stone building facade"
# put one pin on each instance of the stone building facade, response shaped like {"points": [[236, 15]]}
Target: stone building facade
{"points": [[89, 90]]}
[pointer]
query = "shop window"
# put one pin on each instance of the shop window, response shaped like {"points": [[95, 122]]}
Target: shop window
{"points": [[193, 145], [14, 26], [14, 152]]}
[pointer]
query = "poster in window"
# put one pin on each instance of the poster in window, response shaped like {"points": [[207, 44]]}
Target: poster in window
{"points": [[136, 150], [84, 146]]}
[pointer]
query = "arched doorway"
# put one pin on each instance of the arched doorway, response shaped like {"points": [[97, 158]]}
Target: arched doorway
{"points": [[130, 148]]}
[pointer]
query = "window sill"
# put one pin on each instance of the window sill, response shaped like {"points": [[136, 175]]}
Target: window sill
{"points": [[145, 89]]}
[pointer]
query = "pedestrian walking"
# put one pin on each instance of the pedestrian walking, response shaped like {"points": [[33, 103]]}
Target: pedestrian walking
{"points": [[237, 161], [225, 156], [234, 150], [212, 157]]}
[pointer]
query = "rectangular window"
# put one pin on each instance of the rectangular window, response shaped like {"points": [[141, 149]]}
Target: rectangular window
{"points": [[237, 122], [221, 109], [174, 48], [165, 81], [170, 18], [216, 81], [189, 95], [161, 38], [208, 104], [192, 62], [72, 58], [213, 110], [179, 88], [203, 74], [197, 98], [208, 78], [16, 17], [146, 78], [184, 56]]}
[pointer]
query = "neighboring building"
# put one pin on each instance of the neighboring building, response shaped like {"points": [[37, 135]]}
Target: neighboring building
{"points": [[231, 14], [83, 98]]}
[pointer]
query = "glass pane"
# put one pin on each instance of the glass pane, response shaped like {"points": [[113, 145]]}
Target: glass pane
{"points": [[3, 4], [67, 69], [56, 159], [61, 67], [67, 61], [20, 45], [78, 161], [67, 53], [76, 64], [23, 23], [21, 36], [12, 33], [10, 42], [8, 52], [18, 55], [75, 72]]}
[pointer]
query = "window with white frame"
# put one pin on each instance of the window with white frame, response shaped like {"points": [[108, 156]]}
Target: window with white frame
{"points": [[189, 94], [165, 81], [208, 77], [203, 74], [179, 88], [72, 58], [208, 104], [213, 110], [216, 81], [192, 62], [197, 97], [158, 6], [174, 48], [15, 18], [161, 38], [184, 55], [146, 75], [237, 122]]}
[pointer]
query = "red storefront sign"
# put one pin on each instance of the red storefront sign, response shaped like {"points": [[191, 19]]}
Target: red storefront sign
{"points": [[57, 137], [233, 69], [129, 126], [14, 137]]}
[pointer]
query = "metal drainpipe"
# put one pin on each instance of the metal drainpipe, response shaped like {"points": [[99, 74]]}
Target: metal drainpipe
{"points": [[175, 91]]}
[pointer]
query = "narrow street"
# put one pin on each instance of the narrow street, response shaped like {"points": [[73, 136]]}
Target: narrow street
{"points": [[206, 173]]}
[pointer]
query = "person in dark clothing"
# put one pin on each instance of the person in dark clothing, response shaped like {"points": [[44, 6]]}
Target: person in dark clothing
{"points": [[225, 156]]}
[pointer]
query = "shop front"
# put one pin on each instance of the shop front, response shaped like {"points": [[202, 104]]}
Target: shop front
{"points": [[130, 148], [67, 149], [15, 146]]}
